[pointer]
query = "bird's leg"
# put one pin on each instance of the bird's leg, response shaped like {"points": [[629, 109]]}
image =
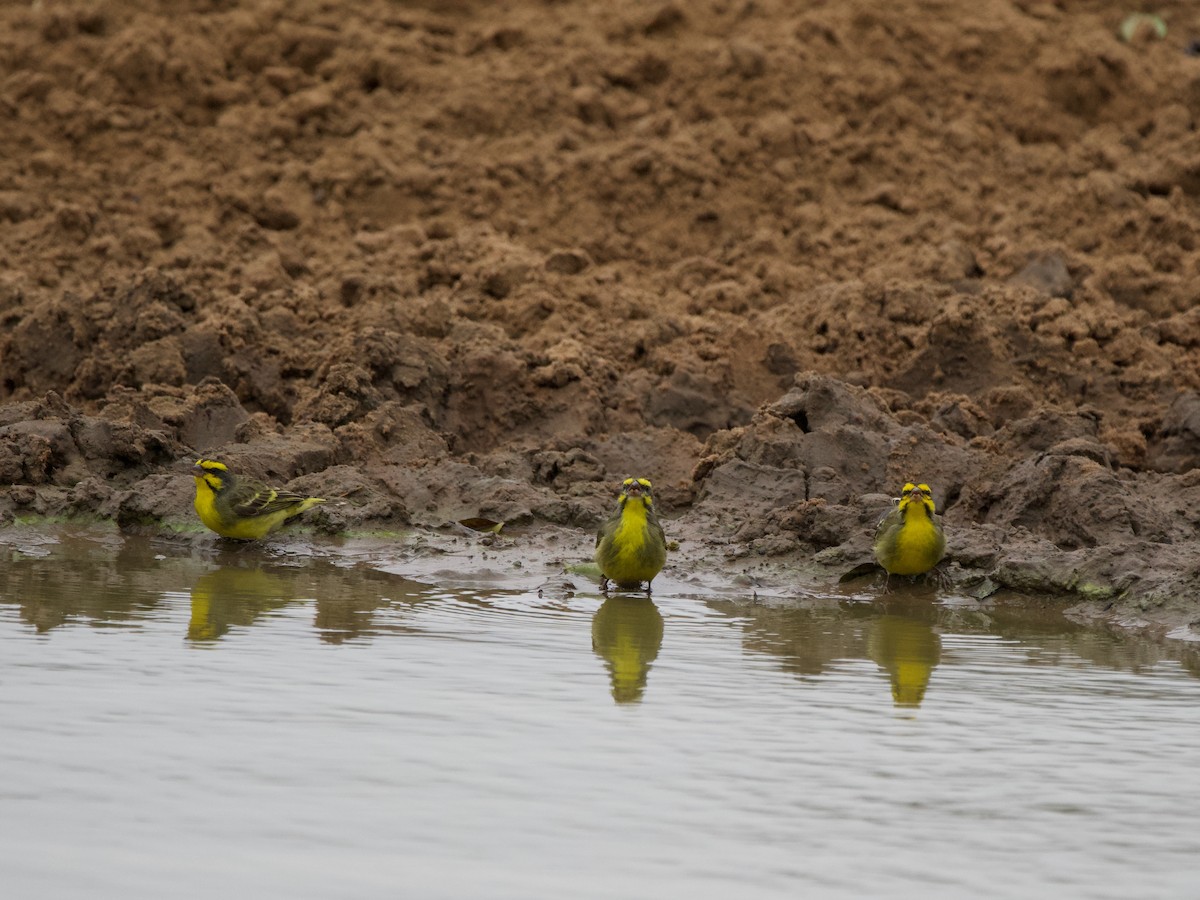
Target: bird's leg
{"points": [[940, 578], [648, 587], [603, 584]]}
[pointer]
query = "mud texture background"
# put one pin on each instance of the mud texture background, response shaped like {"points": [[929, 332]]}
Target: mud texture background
{"points": [[443, 259]]}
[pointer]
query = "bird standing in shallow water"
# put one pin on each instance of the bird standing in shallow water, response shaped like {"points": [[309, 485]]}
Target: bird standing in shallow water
{"points": [[630, 546], [242, 508], [909, 539]]}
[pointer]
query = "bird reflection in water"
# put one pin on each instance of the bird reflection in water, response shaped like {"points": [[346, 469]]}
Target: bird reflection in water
{"points": [[908, 649], [234, 595], [899, 636], [627, 634]]}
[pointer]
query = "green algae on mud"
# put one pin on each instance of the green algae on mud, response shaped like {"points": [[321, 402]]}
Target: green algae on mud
{"points": [[34, 521], [382, 534]]}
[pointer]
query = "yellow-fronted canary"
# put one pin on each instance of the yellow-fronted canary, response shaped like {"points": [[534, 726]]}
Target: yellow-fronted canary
{"points": [[242, 508], [630, 546]]}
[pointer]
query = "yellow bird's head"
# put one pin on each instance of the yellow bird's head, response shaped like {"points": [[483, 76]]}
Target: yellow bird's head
{"points": [[212, 474], [921, 494], [636, 489]]}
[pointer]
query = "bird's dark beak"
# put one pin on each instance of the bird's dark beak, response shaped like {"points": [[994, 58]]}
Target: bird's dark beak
{"points": [[634, 490]]}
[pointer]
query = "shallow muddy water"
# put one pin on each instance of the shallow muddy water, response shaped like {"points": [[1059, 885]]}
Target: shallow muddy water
{"points": [[182, 721]]}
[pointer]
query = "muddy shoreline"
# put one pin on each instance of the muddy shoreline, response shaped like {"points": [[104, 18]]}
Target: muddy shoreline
{"points": [[771, 509], [438, 261]]}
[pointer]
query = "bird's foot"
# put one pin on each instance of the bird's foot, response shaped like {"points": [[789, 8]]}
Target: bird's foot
{"points": [[939, 578]]}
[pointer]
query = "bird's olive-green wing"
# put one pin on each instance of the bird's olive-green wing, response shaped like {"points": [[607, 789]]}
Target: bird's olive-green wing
{"points": [[891, 517], [608, 527], [657, 530], [252, 500]]}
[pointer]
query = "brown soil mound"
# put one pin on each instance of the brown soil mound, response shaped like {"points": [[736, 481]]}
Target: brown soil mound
{"points": [[474, 258]]}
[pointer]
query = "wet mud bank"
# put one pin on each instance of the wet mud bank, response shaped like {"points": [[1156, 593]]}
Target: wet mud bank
{"points": [[781, 507], [440, 261]]}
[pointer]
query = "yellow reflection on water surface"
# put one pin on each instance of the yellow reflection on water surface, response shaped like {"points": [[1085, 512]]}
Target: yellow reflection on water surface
{"points": [[908, 649], [627, 633]]}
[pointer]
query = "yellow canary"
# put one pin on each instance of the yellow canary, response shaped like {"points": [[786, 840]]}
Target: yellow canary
{"points": [[909, 539], [242, 508], [631, 547]]}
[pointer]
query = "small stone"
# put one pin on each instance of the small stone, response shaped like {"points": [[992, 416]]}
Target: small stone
{"points": [[568, 262], [1048, 273], [956, 262], [747, 59]]}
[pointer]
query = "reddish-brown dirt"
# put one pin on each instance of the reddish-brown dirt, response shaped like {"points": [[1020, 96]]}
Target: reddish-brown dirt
{"points": [[437, 259]]}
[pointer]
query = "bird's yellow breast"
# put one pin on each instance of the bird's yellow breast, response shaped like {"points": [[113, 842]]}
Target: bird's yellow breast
{"points": [[205, 502], [628, 560], [918, 544], [630, 535], [633, 524]]}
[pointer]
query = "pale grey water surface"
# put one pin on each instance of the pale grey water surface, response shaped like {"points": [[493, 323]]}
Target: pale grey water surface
{"points": [[182, 722]]}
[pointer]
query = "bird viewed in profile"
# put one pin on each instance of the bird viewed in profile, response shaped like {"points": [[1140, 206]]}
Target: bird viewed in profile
{"points": [[630, 546], [242, 508], [909, 539]]}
